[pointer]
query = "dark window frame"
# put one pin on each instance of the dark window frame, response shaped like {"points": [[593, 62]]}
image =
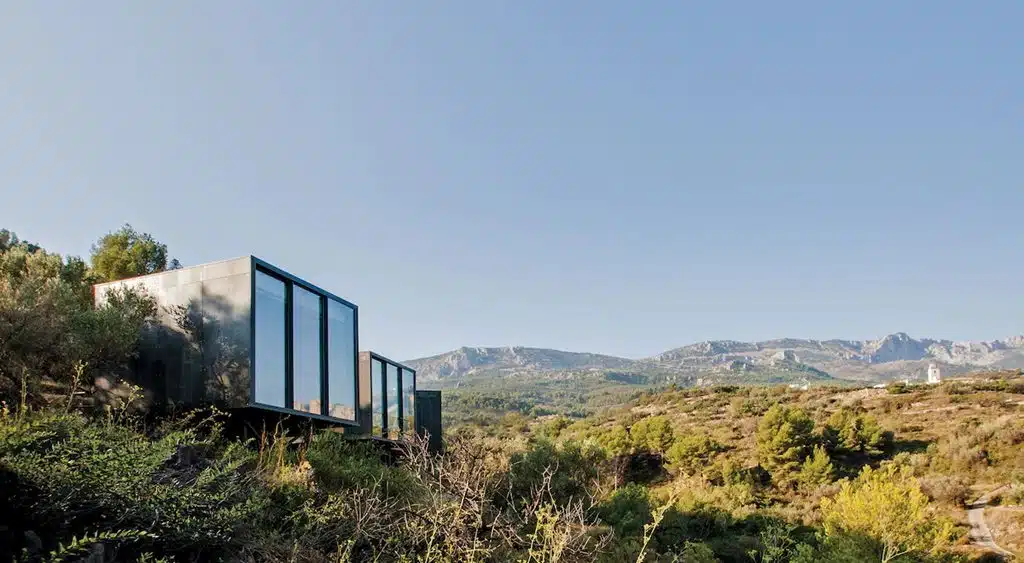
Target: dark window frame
{"points": [[290, 281], [400, 370]]}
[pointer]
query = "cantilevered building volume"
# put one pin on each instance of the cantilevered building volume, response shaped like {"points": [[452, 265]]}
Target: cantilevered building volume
{"points": [[243, 334]]}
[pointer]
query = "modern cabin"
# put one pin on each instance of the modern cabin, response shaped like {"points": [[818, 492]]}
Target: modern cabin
{"points": [[388, 391], [243, 334]]}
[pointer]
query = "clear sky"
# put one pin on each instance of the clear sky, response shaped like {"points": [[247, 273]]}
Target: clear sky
{"points": [[615, 177]]}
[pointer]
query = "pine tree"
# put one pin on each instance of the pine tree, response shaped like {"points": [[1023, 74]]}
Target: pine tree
{"points": [[784, 439], [817, 468]]}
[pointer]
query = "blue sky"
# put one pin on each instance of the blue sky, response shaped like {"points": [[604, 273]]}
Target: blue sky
{"points": [[616, 177]]}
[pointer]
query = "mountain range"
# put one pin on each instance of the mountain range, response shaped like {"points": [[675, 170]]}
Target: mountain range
{"points": [[895, 356]]}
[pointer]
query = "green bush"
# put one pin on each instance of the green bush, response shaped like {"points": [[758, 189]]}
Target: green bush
{"points": [[188, 494], [627, 510], [847, 431], [885, 512], [339, 464], [692, 453], [616, 441], [696, 552], [817, 469], [652, 434], [569, 469]]}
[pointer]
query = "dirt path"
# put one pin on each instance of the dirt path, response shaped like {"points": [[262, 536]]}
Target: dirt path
{"points": [[980, 534]]}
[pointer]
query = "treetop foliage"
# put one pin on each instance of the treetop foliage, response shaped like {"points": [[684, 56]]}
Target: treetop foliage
{"points": [[784, 438], [885, 513], [127, 253]]}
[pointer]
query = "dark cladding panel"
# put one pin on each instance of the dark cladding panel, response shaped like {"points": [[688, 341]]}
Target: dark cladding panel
{"points": [[428, 417], [184, 353], [365, 414], [175, 361], [227, 292]]}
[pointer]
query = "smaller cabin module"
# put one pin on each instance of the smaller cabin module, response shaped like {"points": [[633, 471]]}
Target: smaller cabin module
{"points": [[388, 393], [242, 334]]}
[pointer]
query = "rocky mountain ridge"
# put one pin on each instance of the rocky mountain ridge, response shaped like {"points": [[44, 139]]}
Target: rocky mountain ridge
{"points": [[894, 355]]}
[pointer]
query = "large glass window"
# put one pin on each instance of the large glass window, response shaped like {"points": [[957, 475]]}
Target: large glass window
{"points": [[270, 365], [341, 370], [320, 349], [392, 385], [408, 401], [306, 362], [377, 396]]}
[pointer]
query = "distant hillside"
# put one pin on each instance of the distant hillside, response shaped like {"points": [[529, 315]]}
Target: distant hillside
{"points": [[467, 361], [894, 356]]}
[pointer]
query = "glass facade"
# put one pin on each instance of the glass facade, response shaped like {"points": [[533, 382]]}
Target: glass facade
{"points": [[305, 347], [341, 369], [394, 429], [306, 357], [270, 318], [408, 401], [377, 396], [241, 333], [392, 402]]}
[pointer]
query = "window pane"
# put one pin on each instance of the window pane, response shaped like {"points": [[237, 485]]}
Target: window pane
{"points": [[341, 350], [376, 396], [409, 401], [306, 351], [269, 339], [392, 380]]}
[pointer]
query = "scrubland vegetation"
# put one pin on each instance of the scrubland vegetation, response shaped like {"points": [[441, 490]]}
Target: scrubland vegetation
{"points": [[731, 474]]}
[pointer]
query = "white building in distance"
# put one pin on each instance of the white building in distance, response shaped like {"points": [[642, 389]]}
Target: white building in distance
{"points": [[934, 375]]}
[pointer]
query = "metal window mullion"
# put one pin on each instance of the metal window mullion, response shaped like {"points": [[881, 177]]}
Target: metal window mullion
{"points": [[398, 396], [358, 412], [324, 358], [289, 345], [383, 398]]}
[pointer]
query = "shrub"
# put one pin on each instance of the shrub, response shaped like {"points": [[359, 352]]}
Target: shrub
{"points": [[950, 490], [884, 511], [692, 453], [339, 464], [616, 441], [817, 469], [696, 552], [186, 493], [847, 431], [48, 324], [653, 434], [627, 510], [568, 470], [553, 428], [1015, 495], [898, 388]]}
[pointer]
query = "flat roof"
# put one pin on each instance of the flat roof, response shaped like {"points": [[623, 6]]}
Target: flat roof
{"points": [[256, 262], [386, 359], [143, 276]]}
